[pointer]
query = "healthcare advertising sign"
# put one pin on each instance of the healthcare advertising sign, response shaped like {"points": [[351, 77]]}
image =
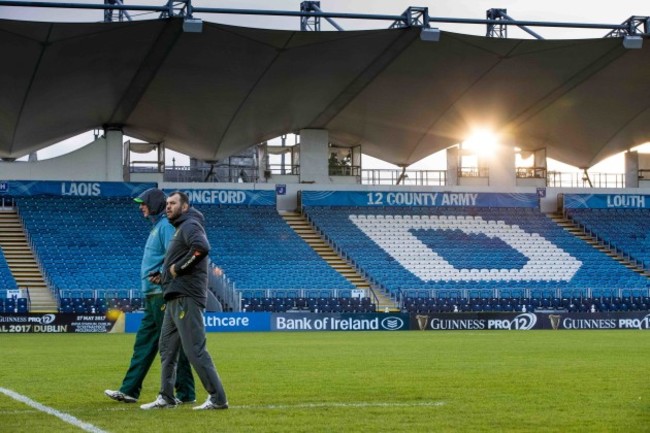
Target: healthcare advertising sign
{"points": [[217, 322]]}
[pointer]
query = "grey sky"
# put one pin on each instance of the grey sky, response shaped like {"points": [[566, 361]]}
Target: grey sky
{"points": [[599, 11]]}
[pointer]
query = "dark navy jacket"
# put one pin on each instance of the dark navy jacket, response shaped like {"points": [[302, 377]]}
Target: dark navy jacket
{"points": [[188, 251]]}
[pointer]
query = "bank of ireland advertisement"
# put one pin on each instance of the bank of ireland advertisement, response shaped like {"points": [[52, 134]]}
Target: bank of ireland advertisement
{"points": [[339, 322]]}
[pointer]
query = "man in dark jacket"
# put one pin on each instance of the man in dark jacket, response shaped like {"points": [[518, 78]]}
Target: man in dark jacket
{"points": [[185, 282], [152, 205]]}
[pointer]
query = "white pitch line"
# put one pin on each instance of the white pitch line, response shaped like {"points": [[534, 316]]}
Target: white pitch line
{"points": [[50, 411], [125, 407], [344, 405]]}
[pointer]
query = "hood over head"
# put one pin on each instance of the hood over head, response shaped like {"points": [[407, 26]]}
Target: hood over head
{"points": [[155, 200], [192, 213]]}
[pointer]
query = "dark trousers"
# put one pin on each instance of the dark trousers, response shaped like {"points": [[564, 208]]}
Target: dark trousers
{"points": [[145, 350], [183, 328]]}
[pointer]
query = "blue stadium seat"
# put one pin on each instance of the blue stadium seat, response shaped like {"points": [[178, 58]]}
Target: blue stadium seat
{"points": [[446, 253]]}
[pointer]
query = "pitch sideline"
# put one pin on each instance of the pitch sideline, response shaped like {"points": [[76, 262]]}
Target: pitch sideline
{"points": [[344, 405], [50, 411], [321, 405]]}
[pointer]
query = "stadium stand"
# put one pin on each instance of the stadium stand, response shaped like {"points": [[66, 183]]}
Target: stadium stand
{"points": [[629, 239], [260, 253], [430, 259], [89, 248], [7, 280], [442, 259], [90, 251]]}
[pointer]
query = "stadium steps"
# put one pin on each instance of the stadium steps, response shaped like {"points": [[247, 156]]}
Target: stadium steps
{"points": [[301, 226], [578, 232], [22, 263]]}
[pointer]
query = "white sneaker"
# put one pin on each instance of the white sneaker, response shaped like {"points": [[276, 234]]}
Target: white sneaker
{"points": [[160, 403], [120, 396], [209, 404]]}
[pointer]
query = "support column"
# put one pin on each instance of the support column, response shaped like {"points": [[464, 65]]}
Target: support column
{"points": [[502, 165], [539, 158], [263, 162], [113, 161], [452, 165], [631, 169], [356, 158], [314, 146]]}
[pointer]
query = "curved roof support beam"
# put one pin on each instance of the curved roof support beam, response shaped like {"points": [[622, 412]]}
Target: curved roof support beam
{"points": [[147, 71], [394, 50]]}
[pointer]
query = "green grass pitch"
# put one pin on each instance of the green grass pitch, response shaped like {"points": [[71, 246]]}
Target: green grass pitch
{"points": [[487, 381]]}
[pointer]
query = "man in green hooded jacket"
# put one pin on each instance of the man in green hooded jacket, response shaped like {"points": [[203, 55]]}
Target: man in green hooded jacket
{"points": [[152, 205]]}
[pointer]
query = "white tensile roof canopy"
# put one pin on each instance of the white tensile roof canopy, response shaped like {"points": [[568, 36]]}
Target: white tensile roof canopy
{"points": [[215, 93]]}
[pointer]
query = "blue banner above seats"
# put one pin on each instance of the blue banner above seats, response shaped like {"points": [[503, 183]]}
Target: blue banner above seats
{"points": [[415, 198], [229, 196], [17, 188], [606, 201]]}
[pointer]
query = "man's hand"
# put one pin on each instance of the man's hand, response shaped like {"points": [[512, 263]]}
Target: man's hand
{"points": [[154, 277], [172, 270]]}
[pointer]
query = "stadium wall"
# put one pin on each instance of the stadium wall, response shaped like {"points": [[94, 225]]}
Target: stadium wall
{"points": [[98, 161], [101, 161], [288, 195]]}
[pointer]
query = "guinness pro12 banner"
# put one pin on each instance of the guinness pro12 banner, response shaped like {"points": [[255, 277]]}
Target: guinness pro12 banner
{"points": [[60, 323], [528, 321]]}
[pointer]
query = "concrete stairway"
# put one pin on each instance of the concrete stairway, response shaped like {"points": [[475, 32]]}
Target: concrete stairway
{"points": [[302, 227], [22, 263], [578, 232]]}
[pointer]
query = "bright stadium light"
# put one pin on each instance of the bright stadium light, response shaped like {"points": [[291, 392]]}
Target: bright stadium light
{"points": [[481, 142]]}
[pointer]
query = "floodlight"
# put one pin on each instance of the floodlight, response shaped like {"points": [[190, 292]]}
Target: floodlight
{"points": [[192, 25], [430, 35], [633, 42]]}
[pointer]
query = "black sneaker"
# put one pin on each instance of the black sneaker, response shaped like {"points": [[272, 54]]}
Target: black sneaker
{"points": [[120, 396]]}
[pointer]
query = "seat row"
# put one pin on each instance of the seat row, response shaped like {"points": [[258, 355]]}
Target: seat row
{"points": [[314, 305], [14, 305], [572, 305], [98, 305], [7, 280]]}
